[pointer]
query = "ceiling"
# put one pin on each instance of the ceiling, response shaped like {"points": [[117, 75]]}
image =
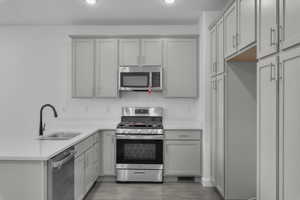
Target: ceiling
{"points": [[106, 12]]}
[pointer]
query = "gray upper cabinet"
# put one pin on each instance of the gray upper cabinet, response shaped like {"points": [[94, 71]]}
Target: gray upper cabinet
{"points": [[267, 28], [83, 68], [129, 52], [267, 131], [180, 64], [230, 30], [289, 28], [213, 49], [289, 124], [106, 68], [146, 52], [95, 68], [246, 23], [151, 52], [220, 46]]}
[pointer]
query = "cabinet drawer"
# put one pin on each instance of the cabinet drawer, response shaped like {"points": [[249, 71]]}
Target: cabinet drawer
{"points": [[83, 146], [183, 135]]}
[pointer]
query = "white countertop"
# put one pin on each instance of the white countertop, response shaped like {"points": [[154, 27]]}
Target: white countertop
{"points": [[23, 148]]}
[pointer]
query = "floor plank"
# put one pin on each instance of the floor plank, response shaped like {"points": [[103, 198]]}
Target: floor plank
{"points": [[167, 191]]}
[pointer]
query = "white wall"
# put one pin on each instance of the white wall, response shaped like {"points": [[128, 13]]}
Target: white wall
{"points": [[35, 68], [204, 21]]}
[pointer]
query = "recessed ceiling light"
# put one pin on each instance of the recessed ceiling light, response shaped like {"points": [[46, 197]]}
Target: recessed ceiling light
{"points": [[91, 2], [169, 2]]}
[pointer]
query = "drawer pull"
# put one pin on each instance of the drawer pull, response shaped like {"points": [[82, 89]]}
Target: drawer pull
{"points": [[139, 172], [183, 136]]}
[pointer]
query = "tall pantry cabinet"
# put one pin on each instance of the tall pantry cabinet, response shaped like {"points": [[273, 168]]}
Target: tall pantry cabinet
{"points": [[279, 96]]}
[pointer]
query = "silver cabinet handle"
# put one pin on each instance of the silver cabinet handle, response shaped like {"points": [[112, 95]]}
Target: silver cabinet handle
{"points": [[273, 76], [233, 41], [237, 39], [281, 33], [272, 31]]}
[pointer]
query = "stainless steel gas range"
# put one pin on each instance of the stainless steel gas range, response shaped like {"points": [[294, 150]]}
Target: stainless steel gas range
{"points": [[139, 148]]}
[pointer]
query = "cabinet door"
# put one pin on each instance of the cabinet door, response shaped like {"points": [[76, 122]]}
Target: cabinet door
{"points": [[89, 169], [213, 51], [79, 177], [267, 39], [151, 52], [214, 116], [246, 25], [108, 153], [220, 142], [267, 130], [220, 48], [83, 68], [180, 68], [107, 68], [183, 158], [290, 125], [129, 52], [230, 30], [289, 28]]}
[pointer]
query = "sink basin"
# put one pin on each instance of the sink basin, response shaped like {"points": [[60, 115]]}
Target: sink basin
{"points": [[60, 136]]}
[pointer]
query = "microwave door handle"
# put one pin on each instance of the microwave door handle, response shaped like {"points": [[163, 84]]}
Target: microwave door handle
{"points": [[150, 81]]}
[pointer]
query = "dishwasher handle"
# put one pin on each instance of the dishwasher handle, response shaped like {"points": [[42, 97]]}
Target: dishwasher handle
{"points": [[60, 163]]}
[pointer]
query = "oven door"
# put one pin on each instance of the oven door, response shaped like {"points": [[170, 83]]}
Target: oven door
{"points": [[139, 151], [134, 80]]}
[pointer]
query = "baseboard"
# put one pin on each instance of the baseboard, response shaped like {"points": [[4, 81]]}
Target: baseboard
{"points": [[207, 182]]}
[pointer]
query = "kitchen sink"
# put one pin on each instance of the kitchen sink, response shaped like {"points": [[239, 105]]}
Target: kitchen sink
{"points": [[60, 136]]}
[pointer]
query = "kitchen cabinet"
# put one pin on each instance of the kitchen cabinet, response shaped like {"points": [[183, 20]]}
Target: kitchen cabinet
{"points": [[267, 28], [106, 68], [213, 129], [180, 151], [145, 52], [220, 47], [108, 153], [217, 130], [183, 158], [87, 161], [289, 29], [129, 52], [95, 68], [180, 68], [83, 68], [213, 48], [230, 30], [79, 177], [267, 129], [289, 124], [246, 23], [220, 137], [151, 52]]}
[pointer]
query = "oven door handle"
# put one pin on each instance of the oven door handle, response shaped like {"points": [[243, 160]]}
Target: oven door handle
{"points": [[141, 137]]}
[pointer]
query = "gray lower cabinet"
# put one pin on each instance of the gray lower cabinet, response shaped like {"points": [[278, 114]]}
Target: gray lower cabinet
{"points": [[183, 153], [87, 162], [108, 153], [289, 124], [267, 130], [217, 130], [95, 68], [180, 68]]}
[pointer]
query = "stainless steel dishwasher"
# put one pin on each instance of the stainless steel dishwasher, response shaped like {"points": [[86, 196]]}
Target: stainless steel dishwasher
{"points": [[61, 176]]}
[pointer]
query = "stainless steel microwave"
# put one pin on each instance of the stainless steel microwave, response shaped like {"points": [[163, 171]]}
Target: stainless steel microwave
{"points": [[140, 78]]}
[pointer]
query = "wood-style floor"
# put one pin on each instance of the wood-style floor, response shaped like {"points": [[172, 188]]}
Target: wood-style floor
{"points": [[167, 191]]}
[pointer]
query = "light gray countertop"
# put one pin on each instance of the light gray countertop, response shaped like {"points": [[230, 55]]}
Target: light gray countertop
{"points": [[23, 148]]}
